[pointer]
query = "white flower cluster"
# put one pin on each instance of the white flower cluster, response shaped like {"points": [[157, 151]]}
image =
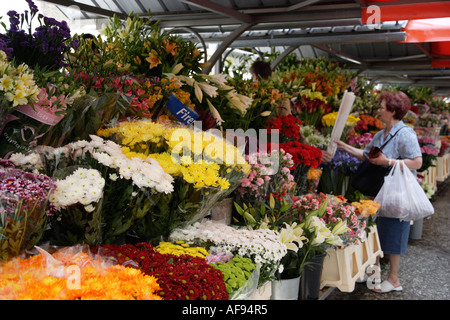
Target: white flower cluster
{"points": [[83, 186], [144, 174], [263, 246]]}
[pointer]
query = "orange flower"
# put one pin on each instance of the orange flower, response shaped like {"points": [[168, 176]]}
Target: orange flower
{"points": [[170, 47], [153, 59]]}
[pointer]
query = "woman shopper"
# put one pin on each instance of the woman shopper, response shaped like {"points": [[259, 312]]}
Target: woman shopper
{"points": [[393, 233]]}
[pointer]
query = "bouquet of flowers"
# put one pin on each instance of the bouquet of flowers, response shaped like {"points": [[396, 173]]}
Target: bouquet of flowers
{"points": [[336, 174], [429, 152], [314, 137], [269, 174], [72, 274], [264, 101], [180, 277], [292, 235], [44, 48], [304, 157], [321, 229], [288, 126], [23, 204], [17, 87], [262, 246], [367, 212], [359, 140], [368, 124], [323, 75], [212, 95], [311, 111], [130, 189], [205, 168]]}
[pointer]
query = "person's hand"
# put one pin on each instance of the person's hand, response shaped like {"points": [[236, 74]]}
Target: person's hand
{"points": [[326, 156], [379, 160], [340, 144]]}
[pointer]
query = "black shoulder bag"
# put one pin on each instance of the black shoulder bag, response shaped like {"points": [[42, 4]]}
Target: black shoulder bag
{"points": [[369, 177]]}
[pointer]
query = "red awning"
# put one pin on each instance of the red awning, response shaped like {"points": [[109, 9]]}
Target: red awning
{"points": [[391, 10]]}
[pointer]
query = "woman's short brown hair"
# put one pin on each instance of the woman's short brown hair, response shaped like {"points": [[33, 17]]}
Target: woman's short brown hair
{"points": [[397, 102]]}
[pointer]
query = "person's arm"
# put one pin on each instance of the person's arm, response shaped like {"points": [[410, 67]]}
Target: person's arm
{"points": [[355, 152], [382, 160]]}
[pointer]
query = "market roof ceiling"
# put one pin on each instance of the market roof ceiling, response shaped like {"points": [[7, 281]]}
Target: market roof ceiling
{"points": [[386, 40]]}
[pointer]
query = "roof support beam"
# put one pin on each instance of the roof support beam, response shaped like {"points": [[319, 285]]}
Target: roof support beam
{"points": [[339, 54], [217, 8], [224, 45], [282, 56], [88, 8], [327, 39]]}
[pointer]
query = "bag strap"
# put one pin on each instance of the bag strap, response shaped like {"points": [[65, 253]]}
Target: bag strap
{"points": [[384, 144]]}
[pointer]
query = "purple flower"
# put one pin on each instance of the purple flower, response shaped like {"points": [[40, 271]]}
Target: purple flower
{"points": [[46, 46]]}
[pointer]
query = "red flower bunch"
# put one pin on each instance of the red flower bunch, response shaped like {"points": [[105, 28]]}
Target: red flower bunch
{"points": [[310, 111], [368, 124], [180, 277], [141, 100], [289, 126], [302, 154]]}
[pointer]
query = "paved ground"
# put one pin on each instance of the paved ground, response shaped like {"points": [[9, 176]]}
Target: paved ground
{"points": [[425, 268]]}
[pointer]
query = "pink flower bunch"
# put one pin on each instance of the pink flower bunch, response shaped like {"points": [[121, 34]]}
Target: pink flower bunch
{"points": [[360, 140], [269, 173], [429, 150], [427, 140], [49, 102]]}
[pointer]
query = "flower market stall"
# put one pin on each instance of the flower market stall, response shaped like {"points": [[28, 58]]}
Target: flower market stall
{"points": [[115, 152]]}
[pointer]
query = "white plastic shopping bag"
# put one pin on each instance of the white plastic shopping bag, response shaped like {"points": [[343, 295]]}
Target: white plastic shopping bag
{"points": [[401, 195]]}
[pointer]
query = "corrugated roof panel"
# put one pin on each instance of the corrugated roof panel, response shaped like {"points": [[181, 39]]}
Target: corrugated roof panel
{"points": [[111, 5], [154, 6]]}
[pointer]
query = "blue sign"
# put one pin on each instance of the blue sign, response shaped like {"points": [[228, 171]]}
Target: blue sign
{"points": [[180, 111]]}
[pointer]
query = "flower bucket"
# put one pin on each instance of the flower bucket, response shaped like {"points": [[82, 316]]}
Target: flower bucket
{"points": [[223, 211], [23, 203], [264, 292], [310, 278], [285, 289]]}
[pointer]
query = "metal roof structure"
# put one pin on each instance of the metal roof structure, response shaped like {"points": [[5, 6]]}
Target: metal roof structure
{"points": [[334, 28]]}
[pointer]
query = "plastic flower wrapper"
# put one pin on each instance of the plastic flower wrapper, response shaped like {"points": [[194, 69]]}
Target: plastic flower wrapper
{"points": [[337, 173], [131, 184], [263, 246], [73, 273], [206, 169], [23, 203]]}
